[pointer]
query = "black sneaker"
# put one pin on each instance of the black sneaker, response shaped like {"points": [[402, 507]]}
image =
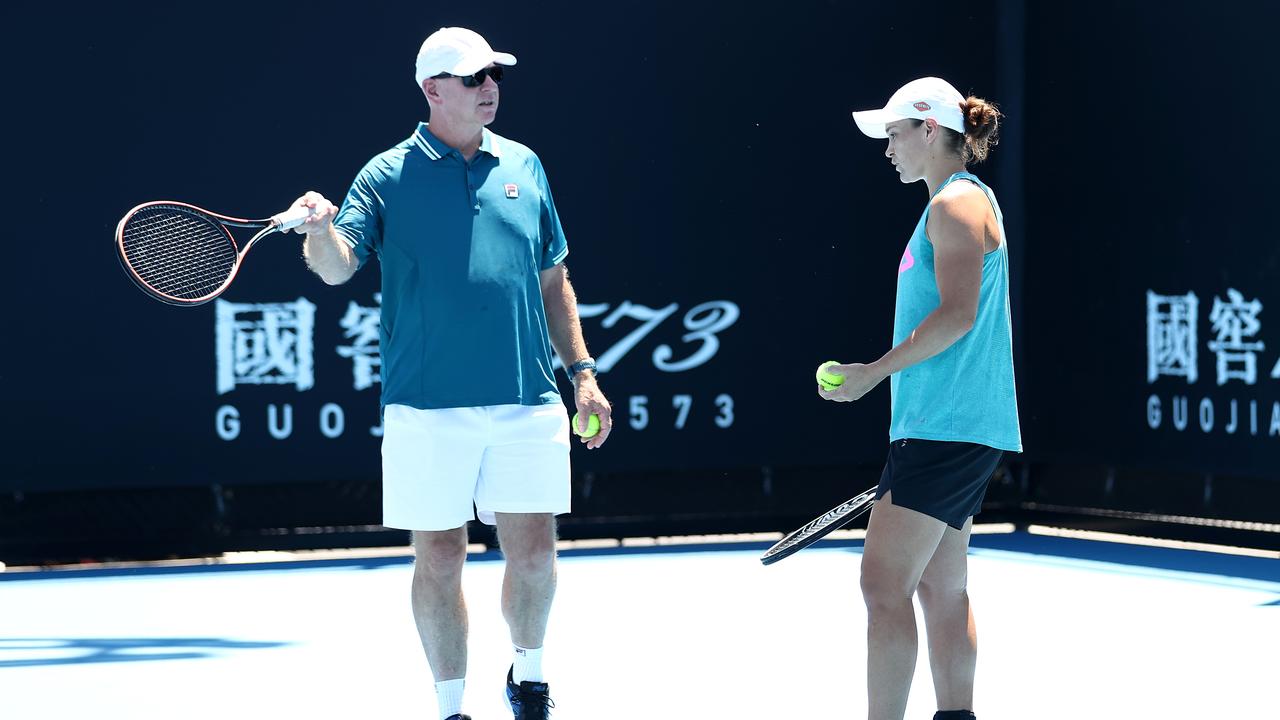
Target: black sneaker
{"points": [[528, 700], [458, 717]]}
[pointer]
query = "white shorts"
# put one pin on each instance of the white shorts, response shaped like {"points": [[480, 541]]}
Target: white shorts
{"points": [[502, 458]]}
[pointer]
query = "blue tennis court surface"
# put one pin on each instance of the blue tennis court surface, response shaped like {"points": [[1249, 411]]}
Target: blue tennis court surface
{"points": [[1067, 629]]}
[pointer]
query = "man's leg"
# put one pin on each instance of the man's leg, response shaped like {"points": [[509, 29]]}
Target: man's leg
{"points": [[529, 544], [948, 620], [899, 544], [438, 607]]}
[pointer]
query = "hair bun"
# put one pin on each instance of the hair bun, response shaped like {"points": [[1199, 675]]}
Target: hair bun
{"points": [[981, 122]]}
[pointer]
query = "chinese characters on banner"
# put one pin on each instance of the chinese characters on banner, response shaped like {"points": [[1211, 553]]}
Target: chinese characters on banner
{"points": [[1238, 353], [274, 344], [360, 326], [265, 344]]}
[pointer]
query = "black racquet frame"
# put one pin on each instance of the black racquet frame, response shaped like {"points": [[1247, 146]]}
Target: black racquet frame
{"points": [[821, 526]]}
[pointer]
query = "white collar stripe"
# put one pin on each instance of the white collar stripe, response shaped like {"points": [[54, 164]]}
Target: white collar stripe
{"points": [[426, 146]]}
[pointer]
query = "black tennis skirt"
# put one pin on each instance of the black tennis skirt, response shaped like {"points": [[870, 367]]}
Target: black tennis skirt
{"points": [[942, 479]]}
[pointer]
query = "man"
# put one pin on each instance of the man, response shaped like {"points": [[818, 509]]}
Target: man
{"points": [[954, 408], [474, 295]]}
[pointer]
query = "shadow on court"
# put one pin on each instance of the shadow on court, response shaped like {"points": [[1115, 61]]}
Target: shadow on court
{"points": [[1213, 568], [1154, 558], [34, 652]]}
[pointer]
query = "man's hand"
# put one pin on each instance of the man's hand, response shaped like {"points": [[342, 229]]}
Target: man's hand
{"points": [[322, 213], [326, 253], [859, 379], [588, 399]]}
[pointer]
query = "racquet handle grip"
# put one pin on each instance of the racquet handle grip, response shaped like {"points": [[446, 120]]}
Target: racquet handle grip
{"points": [[291, 218]]}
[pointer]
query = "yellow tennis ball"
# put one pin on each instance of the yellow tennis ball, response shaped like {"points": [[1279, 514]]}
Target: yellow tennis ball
{"points": [[828, 380], [593, 426]]}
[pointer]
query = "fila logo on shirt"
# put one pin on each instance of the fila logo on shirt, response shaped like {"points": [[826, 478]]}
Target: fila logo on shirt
{"points": [[512, 190]]}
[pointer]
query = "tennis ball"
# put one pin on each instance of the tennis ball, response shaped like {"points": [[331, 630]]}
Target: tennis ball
{"points": [[593, 426], [828, 380]]}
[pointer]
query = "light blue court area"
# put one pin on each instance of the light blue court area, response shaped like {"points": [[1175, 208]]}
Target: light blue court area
{"points": [[1068, 629]]}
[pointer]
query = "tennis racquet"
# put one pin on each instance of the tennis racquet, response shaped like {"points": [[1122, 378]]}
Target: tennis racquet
{"points": [[183, 255], [819, 527]]}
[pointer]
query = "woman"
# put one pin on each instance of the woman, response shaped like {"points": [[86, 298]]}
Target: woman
{"points": [[954, 408]]}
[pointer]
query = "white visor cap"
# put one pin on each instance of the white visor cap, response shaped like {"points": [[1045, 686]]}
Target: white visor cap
{"points": [[928, 97], [457, 51]]}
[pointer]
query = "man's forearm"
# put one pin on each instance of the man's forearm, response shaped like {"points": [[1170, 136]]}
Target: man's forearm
{"points": [[563, 324], [329, 256]]}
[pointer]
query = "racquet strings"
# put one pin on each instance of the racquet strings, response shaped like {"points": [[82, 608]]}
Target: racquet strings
{"points": [[177, 252]]}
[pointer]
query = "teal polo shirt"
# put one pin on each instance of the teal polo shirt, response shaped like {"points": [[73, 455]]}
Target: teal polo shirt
{"points": [[461, 246]]}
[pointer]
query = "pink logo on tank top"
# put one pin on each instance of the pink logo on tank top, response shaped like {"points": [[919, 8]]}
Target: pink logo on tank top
{"points": [[908, 260]]}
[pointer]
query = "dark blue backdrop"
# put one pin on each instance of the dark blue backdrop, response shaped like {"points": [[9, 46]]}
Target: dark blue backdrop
{"points": [[1149, 170], [699, 153]]}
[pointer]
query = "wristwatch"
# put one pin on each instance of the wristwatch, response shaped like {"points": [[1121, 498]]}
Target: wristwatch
{"points": [[582, 366]]}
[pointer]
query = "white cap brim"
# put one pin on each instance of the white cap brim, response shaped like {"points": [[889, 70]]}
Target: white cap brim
{"points": [[872, 122], [471, 65]]}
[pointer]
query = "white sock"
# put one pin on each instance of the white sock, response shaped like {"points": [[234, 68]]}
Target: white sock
{"points": [[528, 665], [449, 696]]}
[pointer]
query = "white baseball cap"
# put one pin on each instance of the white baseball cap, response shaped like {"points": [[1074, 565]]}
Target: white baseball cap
{"points": [[457, 51], [921, 99]]}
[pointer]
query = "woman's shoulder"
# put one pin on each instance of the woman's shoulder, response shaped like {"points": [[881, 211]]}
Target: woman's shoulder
{"points": [[960, 199]]}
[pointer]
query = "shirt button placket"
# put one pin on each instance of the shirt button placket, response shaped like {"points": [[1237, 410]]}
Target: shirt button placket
{"points": [[471, 189]]}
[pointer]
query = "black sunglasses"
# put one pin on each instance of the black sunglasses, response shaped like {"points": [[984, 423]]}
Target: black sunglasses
{"points": [[477, 79]]}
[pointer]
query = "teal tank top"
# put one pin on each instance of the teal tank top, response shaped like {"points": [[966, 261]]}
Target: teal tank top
{"points": [[966, 392]]}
